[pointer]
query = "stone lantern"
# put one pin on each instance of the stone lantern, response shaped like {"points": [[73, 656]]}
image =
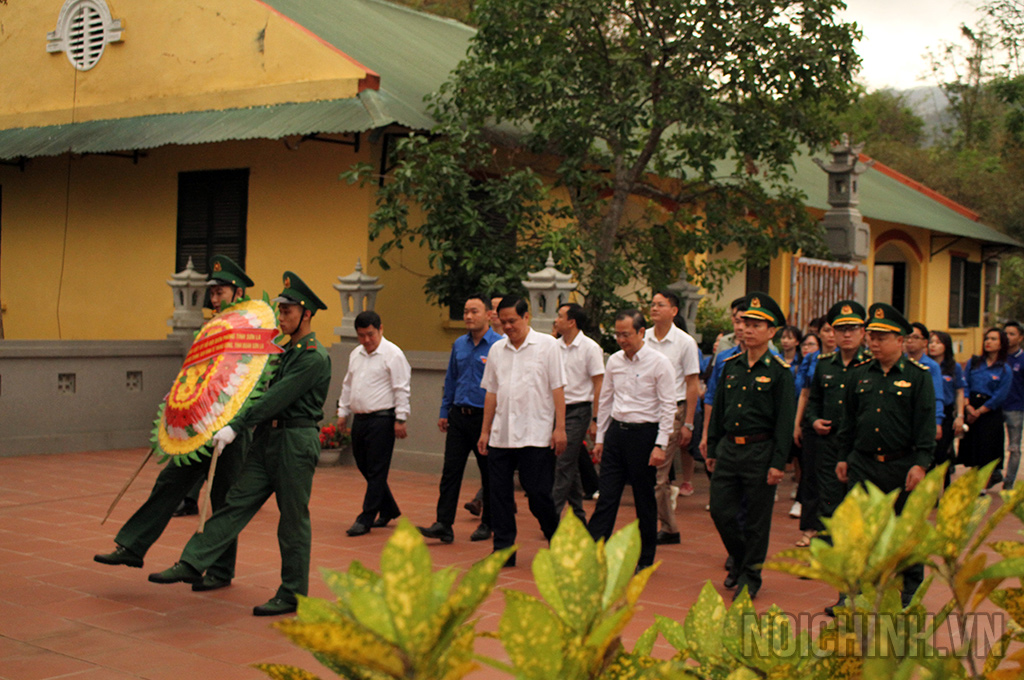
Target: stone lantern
{"points": [[846, 234], [189, 289], [358, 294], [548, 289], [689, 297]]}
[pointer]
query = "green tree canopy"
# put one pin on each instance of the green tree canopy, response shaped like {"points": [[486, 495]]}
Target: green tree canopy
{"points": [[621, 135]]}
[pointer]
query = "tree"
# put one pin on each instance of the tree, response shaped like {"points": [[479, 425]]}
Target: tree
{"points": [[622, 135]]}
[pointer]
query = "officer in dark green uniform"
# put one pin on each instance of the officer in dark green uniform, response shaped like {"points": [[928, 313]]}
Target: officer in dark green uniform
{"points": [[227, 282], [887, 435], [283, 457], [749, 437], [825, 408]]}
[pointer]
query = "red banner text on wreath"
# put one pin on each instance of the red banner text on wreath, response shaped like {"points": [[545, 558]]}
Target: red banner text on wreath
{"points": [[235, 341]]}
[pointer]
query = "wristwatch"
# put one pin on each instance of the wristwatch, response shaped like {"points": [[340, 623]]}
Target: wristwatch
{"points": [[688, 426]]}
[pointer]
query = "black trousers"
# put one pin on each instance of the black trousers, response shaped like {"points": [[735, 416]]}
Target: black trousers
{"points": [[373, 444], [536, 467], [626, 458], [463, 434], [812, 471]]}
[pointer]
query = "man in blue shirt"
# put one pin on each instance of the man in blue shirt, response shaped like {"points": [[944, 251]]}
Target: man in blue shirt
{"points": [[1013, 409], [915, 345], [461, 417]]}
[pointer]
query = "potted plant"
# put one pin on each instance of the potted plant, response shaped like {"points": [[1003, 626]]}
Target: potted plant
{"points": [[333, 444]]}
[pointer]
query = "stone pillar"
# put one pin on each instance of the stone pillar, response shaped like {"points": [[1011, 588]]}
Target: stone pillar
{"points": [[189, 290], [548, 289], [358, 293], [846, 234], [689, 297]]}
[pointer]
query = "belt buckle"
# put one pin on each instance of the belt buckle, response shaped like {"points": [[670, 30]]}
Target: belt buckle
{"points": [[740, 440], [273, 423], [880, 457]]}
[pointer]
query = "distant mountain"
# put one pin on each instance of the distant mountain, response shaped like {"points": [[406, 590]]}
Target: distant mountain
{"points": [[930, 104]]}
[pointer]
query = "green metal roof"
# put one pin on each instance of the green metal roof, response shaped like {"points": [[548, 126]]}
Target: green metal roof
{"points": [[884, 198]]}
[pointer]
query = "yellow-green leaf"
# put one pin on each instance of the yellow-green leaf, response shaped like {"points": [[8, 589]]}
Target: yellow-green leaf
{"points": [[405, 567], [533, 637], [703, 626], [346, 642], [1012, 600], [621, 553], [283, 672], [569, 575]]}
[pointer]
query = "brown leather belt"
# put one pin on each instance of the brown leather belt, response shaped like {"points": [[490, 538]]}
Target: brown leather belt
{"points": [[887, 457], [742, 439]]}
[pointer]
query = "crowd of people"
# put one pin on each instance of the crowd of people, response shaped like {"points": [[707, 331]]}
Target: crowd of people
{"points": [[859, 395]]}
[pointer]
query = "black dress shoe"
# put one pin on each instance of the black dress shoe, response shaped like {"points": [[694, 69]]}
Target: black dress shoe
{"points": [[510, 562], [180, 572], [357, 529], [211, 583], [729, 563], [668, 538], [442, 532], [120, 556], [482, 533], [731, 580], [275, 607], [475, 507], [382, 521], [186, 508]]}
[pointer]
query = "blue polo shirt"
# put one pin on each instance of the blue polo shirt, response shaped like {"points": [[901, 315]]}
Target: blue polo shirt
{"points": [[465, 371], [937, 382], [805, 372], [1015, 400], [992, 381], [952, 383]]}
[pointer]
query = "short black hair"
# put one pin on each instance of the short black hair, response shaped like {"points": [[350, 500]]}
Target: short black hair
{"points": [[921, 327], [517, 303], [575, 312], [635, 315], [1013, 324], [481, 298], [668, 295], [367, 319], [738, 303]]}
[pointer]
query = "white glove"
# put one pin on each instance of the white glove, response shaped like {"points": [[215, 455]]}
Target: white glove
{"points": [[224, 436]]}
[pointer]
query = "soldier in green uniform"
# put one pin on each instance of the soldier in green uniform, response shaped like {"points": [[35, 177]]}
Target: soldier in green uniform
{"points": [[887, 435], [283, 457], [824, 412], [227, 283], [749, 437]]}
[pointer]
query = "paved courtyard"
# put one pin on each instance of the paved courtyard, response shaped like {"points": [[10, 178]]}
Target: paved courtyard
{"points": [[62, 615]]}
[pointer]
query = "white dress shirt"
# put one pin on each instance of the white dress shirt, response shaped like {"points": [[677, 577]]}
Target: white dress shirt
{"points": [[583, 360], [682, 352], [523, 380], [638, 390], [376, 381]]}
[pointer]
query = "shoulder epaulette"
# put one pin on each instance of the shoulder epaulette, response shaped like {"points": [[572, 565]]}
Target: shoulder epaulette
{"points": [[780, 360], [864, 360], [917, 363], [738, 354], [827, 355]]}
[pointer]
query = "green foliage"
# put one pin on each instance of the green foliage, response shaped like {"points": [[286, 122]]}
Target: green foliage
{"points": [[1011, 283], [620, 137], [711, 321]]}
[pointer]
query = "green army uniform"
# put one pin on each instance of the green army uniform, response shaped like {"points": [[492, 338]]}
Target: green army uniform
{"points": [[889, 423], [827, 393], [750, 431], [282, 460], [175, 482]]}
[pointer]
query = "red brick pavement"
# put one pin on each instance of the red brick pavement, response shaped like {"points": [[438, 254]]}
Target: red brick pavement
{"points": [[62, 615]]}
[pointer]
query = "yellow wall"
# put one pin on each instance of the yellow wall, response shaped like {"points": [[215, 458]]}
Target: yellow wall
{"points": [[120, 226], [174, 57]]}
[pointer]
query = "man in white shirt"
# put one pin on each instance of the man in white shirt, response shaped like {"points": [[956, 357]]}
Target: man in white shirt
{"points": [[584, 371], [634, 423], [376, 395], [525, 382], [681, 350]]}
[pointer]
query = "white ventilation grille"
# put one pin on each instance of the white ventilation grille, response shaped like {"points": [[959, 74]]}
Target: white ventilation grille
{"points": [[84, 28]]}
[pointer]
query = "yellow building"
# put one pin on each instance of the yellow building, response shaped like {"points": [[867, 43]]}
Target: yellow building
{"points": [[135, 134]]}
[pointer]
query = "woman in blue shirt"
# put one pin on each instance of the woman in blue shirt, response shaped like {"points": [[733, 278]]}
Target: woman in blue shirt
{"points": [[940, 348], [988, 384]]}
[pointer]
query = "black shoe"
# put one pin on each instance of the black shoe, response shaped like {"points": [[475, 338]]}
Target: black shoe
{"points": [[439, 531], [731, 580], [275, 607], [186, 508], [357, 529], [180, 572], [729, 563], [475, 507], [482, 533], [668, 538], [382, 521], [211, 583], [120, 556]]}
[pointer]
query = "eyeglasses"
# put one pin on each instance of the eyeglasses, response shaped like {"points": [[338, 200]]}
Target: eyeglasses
{"points": [[849, 328]]}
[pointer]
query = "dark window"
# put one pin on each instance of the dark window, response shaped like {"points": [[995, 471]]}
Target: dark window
{"points": [[212, 208], [758, 278], [964, 293]]}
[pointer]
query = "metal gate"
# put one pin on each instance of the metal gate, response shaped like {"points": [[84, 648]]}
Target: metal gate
{"points": [[817, 285]]}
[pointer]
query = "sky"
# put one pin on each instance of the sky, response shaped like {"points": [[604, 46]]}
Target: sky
{"points": [[898, 33]]}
